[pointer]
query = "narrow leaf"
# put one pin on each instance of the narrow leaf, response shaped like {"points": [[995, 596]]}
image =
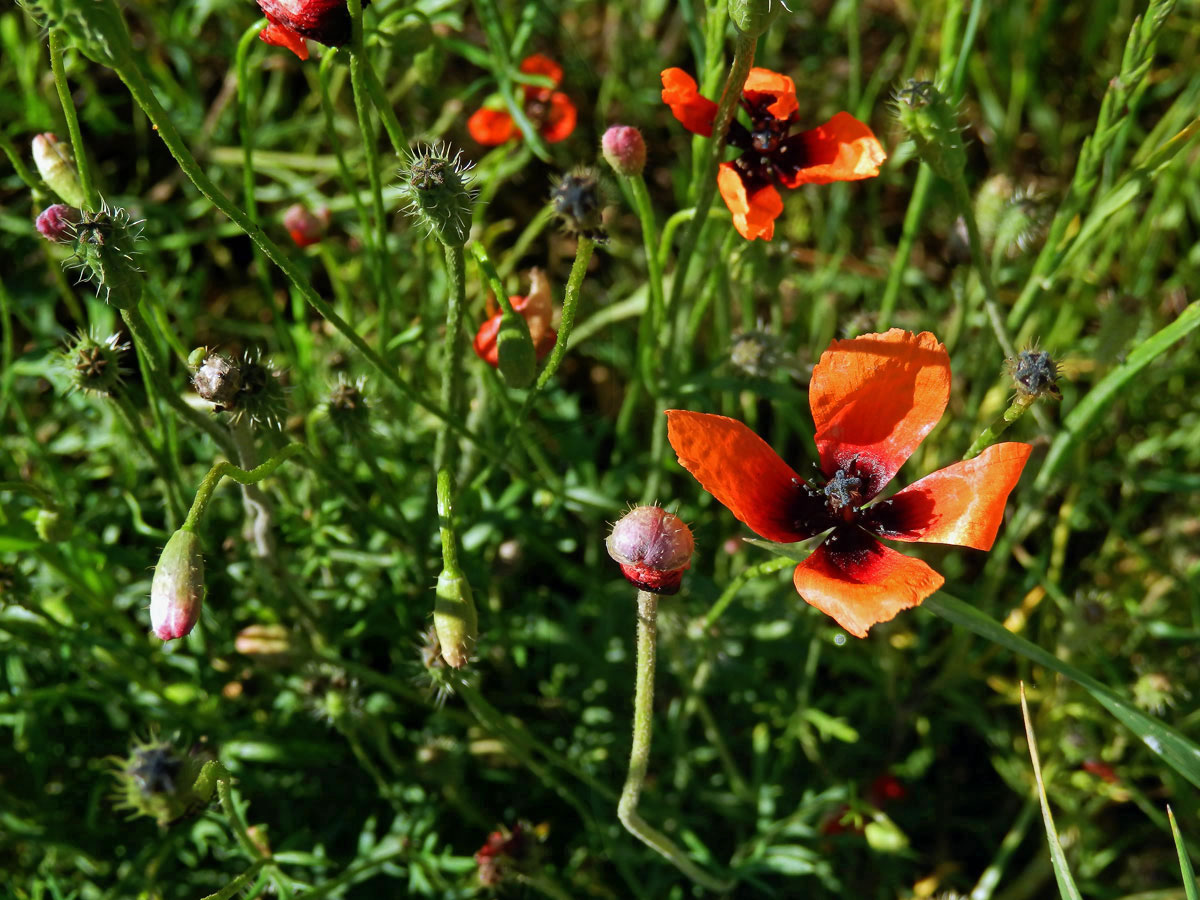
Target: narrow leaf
{"points": [[1185, 863]]}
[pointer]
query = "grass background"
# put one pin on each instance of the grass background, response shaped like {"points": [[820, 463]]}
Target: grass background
{"points": [[769, 722]]}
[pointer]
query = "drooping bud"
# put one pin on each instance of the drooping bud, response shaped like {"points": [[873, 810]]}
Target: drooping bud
{"points": [[576, 200], [177, 590], [54, 525], [515, 356], [653, 548], [931, 122], [454, 618], [57, 223], [624, 149], [305, 227], [1035, 374], [95, 366], [159, 781], [438, 188], [53, 160], [105, 245]]}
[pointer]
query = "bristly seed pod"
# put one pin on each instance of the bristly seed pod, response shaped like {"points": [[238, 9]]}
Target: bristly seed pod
{"points": [[177, 589], [218, 380], [653, 548], [53, 160], [932, 124], [105, 244], [439, 192], [157, 780], [1035, 374], [577, 201], [95, 366], [347, 406]]}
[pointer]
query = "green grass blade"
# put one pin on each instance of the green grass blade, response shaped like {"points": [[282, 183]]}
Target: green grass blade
{"points": [[1179, 753], [1062, 872], [1185, 864]]}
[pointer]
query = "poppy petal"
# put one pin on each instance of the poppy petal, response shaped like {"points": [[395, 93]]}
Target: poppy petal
{"points": [[961, 504], [843, 149], [874, 398], [754, 214], [737, 467], [560, 118], [281, 36], [491, 127], [765, 82], [485, 342], [324, 21], [681, 93], [859, 582], [537, 64]]}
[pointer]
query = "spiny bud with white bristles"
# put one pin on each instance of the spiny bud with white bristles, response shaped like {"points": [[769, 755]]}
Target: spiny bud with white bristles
{"points": [[105, 245], [653, 548], [933, 125], [95, 366], [439, 192], [246, 387], [347, 406], [53, 160]]}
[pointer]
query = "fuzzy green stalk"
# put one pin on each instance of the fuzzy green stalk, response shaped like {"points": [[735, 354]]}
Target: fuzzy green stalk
{"points": [[82, 166], [639, 755], [224, 468], [246, 133], [583, 255], [362, 103], [142, 94], [452, 361], [652, 319], [254, 500], [990, 304], [155, 372], [387, 115], [989, 435]]}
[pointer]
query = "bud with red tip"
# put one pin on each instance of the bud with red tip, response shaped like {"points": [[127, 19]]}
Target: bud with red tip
{"points": [[305, 227], [177, 591], [624, 149], [653, 548], [57, 223]]}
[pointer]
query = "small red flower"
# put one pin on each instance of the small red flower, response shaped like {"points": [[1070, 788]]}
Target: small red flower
{"points": [[537, 309], [291, 21], [873, 400], [551, 111], [843, 149], [305, 227]]}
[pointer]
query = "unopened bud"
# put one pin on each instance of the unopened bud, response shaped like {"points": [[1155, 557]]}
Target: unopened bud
{"points": [[624, 149], [53, 160], [106, 243], [454, 618], [305, 227], [177, 590], [515, 356], [931, 122], [753, 17], [57, 223], [653, 548], [438, 187]]}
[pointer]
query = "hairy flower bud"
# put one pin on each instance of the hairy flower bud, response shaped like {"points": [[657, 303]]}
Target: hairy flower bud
{"points": [[177, 590], [53, 160], [653, 548], [931, 122], [1035, 374], [57, 223], [438, 188], [95, 366], [105, 245], [624, 149], [454, 618]]}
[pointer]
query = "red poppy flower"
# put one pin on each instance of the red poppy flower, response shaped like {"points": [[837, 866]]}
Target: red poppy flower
{"points": [[551, 111], [291, 21], [843, 149], [537, 309], [873, 399]]}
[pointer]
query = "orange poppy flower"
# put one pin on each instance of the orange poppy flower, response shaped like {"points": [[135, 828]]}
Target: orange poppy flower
{"points": [[537, 310], [291, 21], [873, 400], [551, 111], [843, 149]]}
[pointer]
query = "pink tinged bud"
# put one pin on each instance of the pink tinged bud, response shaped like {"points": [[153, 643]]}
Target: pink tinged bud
{"points": [[624, 149], [177, 591], [305, 228], [53, 160], [57, 223], [653, 548]]}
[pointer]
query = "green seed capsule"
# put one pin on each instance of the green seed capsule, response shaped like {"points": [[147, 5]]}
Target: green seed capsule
{"points": [[455, 619]]}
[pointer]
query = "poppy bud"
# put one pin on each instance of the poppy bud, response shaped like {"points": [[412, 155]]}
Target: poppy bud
{"points": [[515, 355], [53, 160], [57, 223], [306, 228], [105, 245], [454, 618], [54, 525], [653, 548], [931, 122], [177, 590], [439, 189], [576, 200], [218, 380], [624, 149], [159, 781]]}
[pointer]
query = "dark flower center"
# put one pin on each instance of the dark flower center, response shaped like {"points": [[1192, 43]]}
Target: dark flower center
{"points": [[769, 151]]}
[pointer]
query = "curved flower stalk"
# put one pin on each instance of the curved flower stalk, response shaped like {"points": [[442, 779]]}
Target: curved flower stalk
{"points": [[873, 399]]}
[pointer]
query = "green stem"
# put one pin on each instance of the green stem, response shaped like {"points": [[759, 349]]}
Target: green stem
{"points": [[639, 755], [730, 593], [988, 436], [205, 492], [391, 124], [234, 887], [452, 361], [68, 107], [246, 133], [965, 208], [18, 163], [583, 255], [652, 319], [908, 240]]}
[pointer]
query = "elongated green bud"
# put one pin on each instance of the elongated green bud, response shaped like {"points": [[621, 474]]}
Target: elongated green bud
{"points": [[753, 17], [177, 591], [54, 163], [454, 618], [516, 357], [932, 124], [438, 187]]}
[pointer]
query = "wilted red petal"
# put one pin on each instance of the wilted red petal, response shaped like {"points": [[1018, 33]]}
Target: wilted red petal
{"points": [[961, 504], [324, 21], [542, 65], [765, 82], [843, 149], [874, 398], [737, 467], [754, 214], [485, 341], [491, 127], [281, 36], [694, 112], [859, 582], [560, 118]]}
